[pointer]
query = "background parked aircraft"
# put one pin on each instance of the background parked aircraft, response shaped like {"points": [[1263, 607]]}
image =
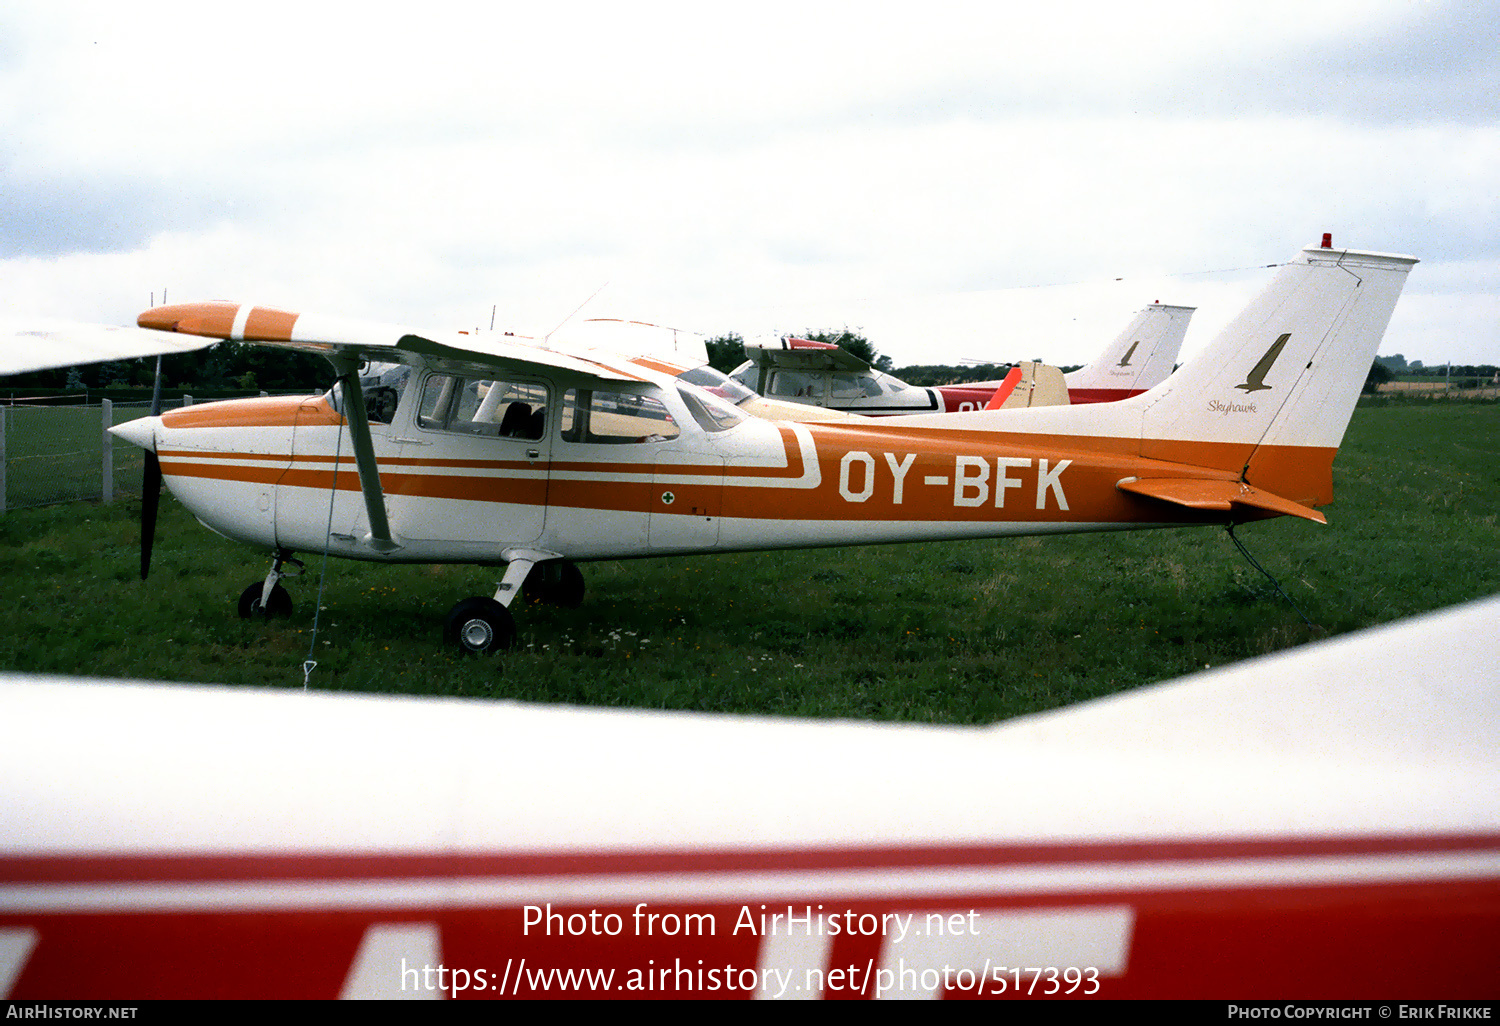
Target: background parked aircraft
{"points": [[822, 374]]}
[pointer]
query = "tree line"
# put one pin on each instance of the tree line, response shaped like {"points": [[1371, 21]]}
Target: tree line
{"points": [[228, 366], [242, 366]]}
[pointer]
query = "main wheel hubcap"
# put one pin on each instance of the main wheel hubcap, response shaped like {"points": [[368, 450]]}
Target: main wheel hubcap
{"points": [[477, 635]]}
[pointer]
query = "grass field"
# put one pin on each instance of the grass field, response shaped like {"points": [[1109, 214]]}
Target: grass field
{"points": [[959, 632]]}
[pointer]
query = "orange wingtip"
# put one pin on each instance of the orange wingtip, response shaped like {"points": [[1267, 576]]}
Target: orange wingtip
{"points": [[217, 320]]}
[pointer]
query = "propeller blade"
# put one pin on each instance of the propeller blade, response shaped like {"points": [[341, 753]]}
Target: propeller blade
{"points": [[150, 497], [151, 481]]}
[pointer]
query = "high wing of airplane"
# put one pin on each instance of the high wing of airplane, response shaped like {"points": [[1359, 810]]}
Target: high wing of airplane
{"points": [[538, 459], [640, 339], [664, 350], [1321, 824], [1139, 359]]}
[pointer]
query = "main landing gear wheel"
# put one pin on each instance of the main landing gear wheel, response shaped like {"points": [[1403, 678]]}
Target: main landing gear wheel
{"points": [[479, 626], [556, 582], [278, 608]]}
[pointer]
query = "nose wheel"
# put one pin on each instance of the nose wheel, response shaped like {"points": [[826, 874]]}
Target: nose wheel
{"points": [[267, 599], [479, 626], [279, 607]]}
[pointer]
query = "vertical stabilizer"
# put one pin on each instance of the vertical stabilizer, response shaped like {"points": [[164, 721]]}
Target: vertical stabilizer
{"points": [[1273, 393]]}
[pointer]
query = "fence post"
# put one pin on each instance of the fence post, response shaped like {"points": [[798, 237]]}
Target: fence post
{"points": [[2, 460], [106, 418], [187, 400]]}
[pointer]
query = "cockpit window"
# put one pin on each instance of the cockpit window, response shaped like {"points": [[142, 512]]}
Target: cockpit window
{"points": [[854, 385], [478, 406], [793, 384], [383, 384], [747, 374], [600, 417]]}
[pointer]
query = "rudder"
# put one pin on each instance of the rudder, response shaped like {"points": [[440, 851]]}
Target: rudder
{"points": [[1271, 397]]}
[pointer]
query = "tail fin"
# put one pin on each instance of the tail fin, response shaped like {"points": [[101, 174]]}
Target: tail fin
{"points": [[1267, 401], [1035, 384], [1272, 394], [1139, 359]]}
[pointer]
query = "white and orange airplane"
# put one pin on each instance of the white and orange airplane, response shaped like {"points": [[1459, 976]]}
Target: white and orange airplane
{"points": [[534, 458], [824, 375], [1320, 824]]}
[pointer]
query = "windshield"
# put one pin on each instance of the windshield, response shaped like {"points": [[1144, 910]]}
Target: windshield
{"points": [[717, 383], [711, 412]]}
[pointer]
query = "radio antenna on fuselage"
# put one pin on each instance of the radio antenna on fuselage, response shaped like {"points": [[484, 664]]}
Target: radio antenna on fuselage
{"points": [[547, 337]]}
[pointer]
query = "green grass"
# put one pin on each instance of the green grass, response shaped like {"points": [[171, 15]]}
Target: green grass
{"points": [[958, 632]]}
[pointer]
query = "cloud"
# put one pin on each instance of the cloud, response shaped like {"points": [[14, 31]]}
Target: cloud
{"points": [[736, 170]]}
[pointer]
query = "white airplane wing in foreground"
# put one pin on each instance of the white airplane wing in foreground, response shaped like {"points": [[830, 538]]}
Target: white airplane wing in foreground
{"points": [[42, 344], [1323, 823]]}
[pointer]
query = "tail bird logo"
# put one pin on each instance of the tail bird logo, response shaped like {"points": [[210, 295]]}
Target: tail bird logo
{"points": [[1125, 360], [1255, 381]]}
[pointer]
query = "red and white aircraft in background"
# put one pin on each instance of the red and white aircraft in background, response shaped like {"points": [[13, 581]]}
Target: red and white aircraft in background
{"points": [[822, 374], [1319, 824], [495, 452]]}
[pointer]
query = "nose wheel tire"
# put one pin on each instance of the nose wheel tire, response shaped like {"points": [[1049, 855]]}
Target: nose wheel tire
{"points": [[278, 608], [479, 626]]}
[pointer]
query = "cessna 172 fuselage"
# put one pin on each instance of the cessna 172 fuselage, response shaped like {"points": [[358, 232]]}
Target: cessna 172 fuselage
{"points": [[537, 458]]}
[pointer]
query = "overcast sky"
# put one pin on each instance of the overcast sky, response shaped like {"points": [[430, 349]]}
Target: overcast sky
{"points": [[952, 180]]}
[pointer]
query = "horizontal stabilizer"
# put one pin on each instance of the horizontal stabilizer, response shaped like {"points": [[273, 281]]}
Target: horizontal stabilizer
{"points": [[1201, 494]]}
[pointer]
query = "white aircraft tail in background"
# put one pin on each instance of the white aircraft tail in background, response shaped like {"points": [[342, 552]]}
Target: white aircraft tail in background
{"points": [[1140, 358]]}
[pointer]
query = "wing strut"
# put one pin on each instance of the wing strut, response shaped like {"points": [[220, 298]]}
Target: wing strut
{"points": [[364, 454]]}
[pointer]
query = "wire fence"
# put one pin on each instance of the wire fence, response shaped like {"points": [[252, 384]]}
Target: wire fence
{"points": [[53, 453], [63, 453]]}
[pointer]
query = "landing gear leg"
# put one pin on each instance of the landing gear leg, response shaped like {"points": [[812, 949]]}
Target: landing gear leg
{"points": [[267, 599]]}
